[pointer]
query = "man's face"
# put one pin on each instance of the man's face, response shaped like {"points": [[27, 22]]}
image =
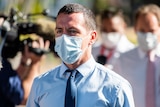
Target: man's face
{"points": [[148, 23], [72, 25], [114, 24]]}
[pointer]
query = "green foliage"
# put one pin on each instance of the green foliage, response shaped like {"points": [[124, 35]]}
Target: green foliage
{"points": [[100, 5], [37, 6]]}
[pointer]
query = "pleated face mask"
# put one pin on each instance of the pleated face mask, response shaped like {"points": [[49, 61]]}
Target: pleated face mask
{"points": [[68, 48], [147, 41], [110, 40]]}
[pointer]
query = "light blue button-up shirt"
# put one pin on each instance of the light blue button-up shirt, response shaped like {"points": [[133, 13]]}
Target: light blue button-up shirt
{"points": [[97, 86]]}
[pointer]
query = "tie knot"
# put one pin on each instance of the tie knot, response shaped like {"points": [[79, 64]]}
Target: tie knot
{"points": [[68, 70], [72, 73]]}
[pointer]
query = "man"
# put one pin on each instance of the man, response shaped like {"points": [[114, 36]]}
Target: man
{"points": [[36, 45], [79, 81], [140, 66], [114, 41]]}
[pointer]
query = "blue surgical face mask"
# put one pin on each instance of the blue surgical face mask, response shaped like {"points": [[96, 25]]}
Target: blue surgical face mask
{"points": [[68, 48], [147, 41]]}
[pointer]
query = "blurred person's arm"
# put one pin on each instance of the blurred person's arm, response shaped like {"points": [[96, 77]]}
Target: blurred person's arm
{"points": [[11, 90], [29, 67]]}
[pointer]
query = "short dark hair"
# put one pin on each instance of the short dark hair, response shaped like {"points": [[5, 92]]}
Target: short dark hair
{"points": [[77, 8], [112, 12]]}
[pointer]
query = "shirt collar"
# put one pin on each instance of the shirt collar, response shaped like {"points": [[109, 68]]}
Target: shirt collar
{"points": [[87, 67], [141, 53], [84, 69], [63, 68], [155, 51]]}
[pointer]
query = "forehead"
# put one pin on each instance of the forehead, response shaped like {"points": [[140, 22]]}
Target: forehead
{"points": [[70, 19], [147, 20], [112, 22], [115, 19]]}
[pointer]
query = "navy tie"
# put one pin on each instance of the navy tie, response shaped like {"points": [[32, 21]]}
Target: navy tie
{"points": [[71, 90]]}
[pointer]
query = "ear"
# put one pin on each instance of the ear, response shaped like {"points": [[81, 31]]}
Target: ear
{"points": [[93, 37]]}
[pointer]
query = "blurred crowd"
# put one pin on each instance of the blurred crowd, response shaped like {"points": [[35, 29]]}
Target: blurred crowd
{"points": [[138, 63]]}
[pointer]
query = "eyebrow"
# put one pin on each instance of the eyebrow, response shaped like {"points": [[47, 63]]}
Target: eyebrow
{"points": [[58, 28], [72, 28]]}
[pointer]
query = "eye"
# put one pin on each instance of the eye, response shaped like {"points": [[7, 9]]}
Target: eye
{"points": [[58, 32], [72, 31], [152, 30]]}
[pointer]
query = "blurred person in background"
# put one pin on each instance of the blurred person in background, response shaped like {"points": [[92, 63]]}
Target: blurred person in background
{"points": [[30, 63], [114, 41], [141, 65], [15, 84], [11, 90]]}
